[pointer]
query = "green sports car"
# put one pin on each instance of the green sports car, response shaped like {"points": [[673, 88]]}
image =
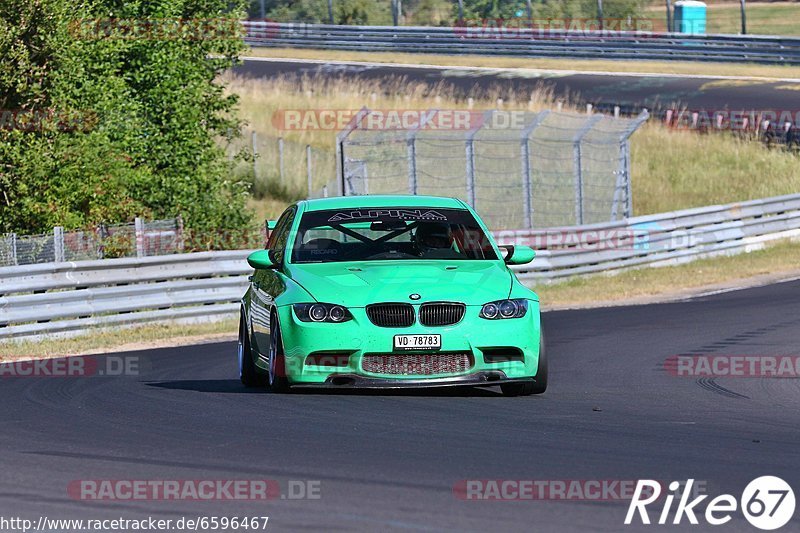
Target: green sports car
{"points": [[387, 292]]}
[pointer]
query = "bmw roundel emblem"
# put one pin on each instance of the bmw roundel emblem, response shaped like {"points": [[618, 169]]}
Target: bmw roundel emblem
{"points": [[414, 296]]}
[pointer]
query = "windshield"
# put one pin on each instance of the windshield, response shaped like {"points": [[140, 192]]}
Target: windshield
{"points": [[390, 233]]}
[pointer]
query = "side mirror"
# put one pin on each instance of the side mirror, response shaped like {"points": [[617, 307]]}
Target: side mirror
{"points": [[519, 255], [260, 260]]}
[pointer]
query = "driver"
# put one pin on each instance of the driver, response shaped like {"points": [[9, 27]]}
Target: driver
{"points": [[434, 240]]}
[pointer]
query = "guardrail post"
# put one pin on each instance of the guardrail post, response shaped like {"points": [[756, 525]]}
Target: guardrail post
{"points": [[576, 162], [58, 244], [527, 187], [138, 226]]}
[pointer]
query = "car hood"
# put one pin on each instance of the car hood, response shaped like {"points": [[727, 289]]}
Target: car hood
{"points": [[364, 283]]}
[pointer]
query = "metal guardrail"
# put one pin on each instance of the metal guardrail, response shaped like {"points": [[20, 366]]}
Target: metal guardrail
{"points": [[657, 240], [76, 296], [526, 42]]}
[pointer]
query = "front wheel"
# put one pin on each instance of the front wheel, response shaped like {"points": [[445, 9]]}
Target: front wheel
{"points": [[278, 381], [247, 368], [536, 387]]}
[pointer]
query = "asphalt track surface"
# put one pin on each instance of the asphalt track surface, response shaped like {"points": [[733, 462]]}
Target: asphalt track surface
{"points": [[389, 462], [631, 92]]}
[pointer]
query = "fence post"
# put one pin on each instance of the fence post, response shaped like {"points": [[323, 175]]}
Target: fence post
{"points": [[58, 244], [628, 189], [470, 146], [527, 188], [619, 183], [179, 230], [309, 174], [411, 149], [138, 225], [625, 160], [411, 155], [254, 138], [576, 162], [470, 152], [341, 157], [13, 248], [280, 158], [102, 235]]}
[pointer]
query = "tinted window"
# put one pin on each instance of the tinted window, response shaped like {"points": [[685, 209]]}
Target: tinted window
{"points": [[280, 235], [390, 233]]}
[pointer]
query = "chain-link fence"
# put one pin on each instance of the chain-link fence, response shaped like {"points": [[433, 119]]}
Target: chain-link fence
{"points": [[519, 169], [282, 168], [139, 239]]}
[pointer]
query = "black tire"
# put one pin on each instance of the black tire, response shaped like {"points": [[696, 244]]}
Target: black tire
{"points": [[277, 380], [248, 372], [534, 387]]}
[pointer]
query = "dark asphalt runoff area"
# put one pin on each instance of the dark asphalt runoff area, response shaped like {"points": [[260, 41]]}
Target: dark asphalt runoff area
{"points": [[390, 462], [631, 92]]}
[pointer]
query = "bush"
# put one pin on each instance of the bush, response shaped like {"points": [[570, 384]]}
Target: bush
{"points": [[149, 112]]}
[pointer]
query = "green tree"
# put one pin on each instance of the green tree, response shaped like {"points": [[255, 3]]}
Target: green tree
{"points": [[149, 108]]}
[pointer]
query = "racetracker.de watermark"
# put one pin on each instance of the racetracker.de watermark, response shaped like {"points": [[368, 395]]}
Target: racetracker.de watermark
{"points": [[554, 28], [729, 119], [577, 239], [74, 367], [550, 489], [193, 489], [40, 120], [390, 119], [157, 29], [733, 366]]}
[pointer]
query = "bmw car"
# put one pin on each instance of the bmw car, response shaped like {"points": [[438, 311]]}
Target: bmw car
{"points": [[389, 292]]}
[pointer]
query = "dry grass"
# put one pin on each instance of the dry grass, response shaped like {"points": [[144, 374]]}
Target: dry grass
{"points": [[682, 169], [671, 169], [134, 338], [774, 260], [696, 68]]}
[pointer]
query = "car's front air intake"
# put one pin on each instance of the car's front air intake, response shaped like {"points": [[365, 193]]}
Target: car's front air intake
{"points": [[416, 364], [441, 313], [397, 315]]}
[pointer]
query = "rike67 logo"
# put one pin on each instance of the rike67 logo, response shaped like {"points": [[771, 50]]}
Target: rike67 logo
{"points": [[767, 503]]}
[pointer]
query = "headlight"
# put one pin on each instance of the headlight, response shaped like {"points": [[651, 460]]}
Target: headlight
{"points": [[322, 313], [504, 309]]}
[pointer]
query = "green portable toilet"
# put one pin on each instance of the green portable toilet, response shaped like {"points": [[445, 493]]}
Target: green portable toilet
{"points": [[689, 17]]}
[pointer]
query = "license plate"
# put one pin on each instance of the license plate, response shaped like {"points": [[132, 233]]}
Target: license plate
{"points": [[417, 342]]}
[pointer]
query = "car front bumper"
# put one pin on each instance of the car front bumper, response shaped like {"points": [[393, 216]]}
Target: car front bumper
{"points": [[348, 342], [356, 381]]}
